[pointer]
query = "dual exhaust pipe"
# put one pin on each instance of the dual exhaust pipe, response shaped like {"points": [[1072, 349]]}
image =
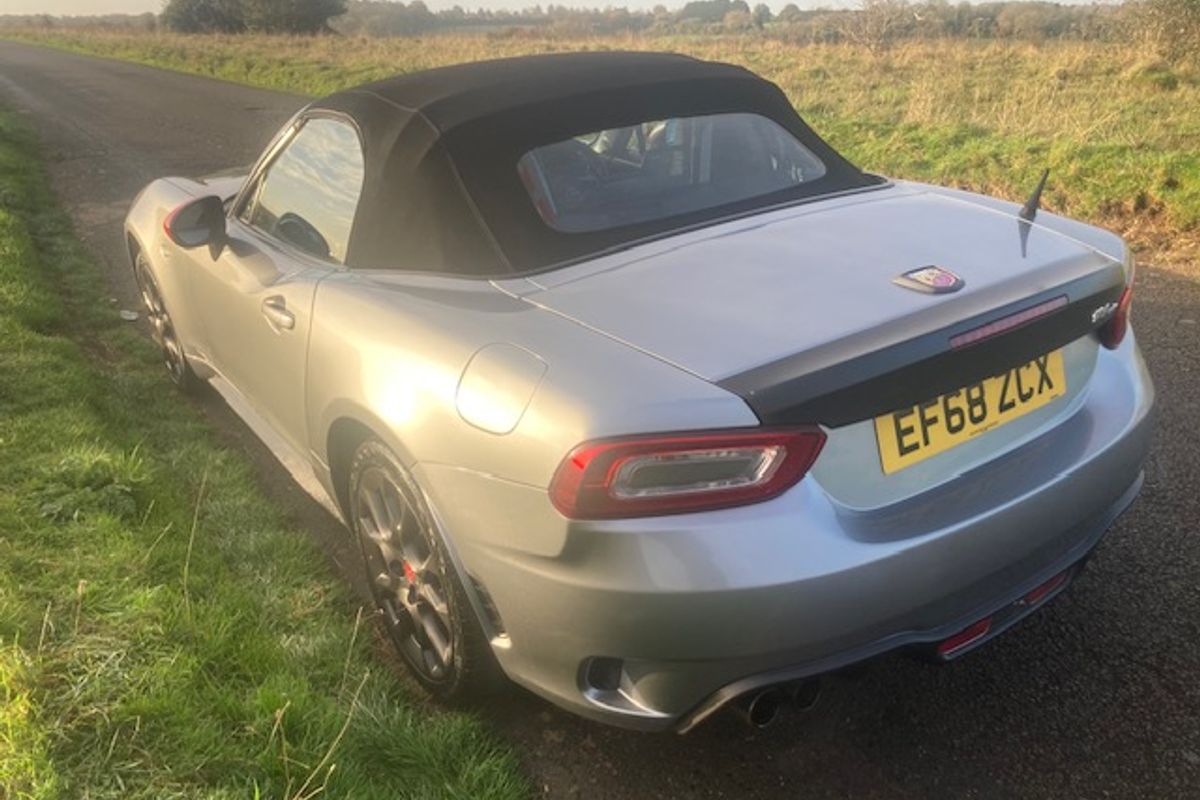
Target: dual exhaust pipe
{"points": [[761, 708]]}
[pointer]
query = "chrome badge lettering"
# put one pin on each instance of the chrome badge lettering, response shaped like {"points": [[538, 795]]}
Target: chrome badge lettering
{"points": [[1103, 312]]}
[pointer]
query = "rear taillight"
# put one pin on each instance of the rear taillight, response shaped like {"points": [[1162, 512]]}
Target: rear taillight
{"points": [[672, 473], [1112, 332]]}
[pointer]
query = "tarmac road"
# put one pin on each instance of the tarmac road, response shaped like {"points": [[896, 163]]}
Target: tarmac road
{"points": [[1098, 695]]}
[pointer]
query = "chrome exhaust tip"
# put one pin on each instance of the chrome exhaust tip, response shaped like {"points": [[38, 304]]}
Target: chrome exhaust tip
{"points": [[805, 694], [759, 709]]}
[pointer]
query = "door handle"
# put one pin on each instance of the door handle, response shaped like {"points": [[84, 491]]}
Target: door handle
{"points": [[275, 310]]}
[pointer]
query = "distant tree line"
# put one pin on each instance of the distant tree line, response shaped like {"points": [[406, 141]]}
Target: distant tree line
{"points": [[1171, 28], [204, 16], [891, 19]]}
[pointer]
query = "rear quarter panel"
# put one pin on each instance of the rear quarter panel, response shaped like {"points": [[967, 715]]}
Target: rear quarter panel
{"points": [[389, 351]]}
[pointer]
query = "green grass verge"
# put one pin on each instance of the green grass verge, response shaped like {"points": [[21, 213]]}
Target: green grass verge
{"points": [[1117, 127], [163, 633]]}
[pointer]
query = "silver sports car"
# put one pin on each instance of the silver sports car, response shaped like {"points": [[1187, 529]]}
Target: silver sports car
{"points": [[635, 391]]}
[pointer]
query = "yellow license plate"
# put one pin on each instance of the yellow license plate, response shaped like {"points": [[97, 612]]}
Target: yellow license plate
{"points": [[911, 435]]}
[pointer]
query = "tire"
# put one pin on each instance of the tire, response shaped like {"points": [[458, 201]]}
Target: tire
{"points": [[413, 581], [162, 329]]}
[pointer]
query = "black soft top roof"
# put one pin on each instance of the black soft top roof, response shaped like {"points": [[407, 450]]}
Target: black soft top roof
{"points": [[459, 94], [441, 147]]}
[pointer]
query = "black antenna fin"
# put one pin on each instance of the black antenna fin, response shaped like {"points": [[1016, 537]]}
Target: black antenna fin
{"points": [[1030, 209]]}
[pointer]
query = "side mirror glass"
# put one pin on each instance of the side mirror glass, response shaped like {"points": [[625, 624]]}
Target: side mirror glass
{"points": [[198, 222]]}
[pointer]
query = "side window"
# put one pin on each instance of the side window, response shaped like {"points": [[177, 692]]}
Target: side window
{"points": [[308, 194]]}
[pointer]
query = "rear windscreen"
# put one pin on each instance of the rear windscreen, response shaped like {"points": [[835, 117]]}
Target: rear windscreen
{"points": [[662, 168]]}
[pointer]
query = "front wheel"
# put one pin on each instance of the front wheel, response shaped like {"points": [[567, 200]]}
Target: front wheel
{"points": [[162, 328], [413, 582]]}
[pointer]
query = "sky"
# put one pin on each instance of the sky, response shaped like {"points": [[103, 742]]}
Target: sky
{"points": [[139, 6]]}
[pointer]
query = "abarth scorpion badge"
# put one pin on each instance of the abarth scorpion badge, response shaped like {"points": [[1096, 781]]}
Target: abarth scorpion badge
{"points": [[930, 280]]}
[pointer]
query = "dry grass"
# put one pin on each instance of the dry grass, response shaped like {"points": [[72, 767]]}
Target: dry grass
{"points": [[1117, 129]]}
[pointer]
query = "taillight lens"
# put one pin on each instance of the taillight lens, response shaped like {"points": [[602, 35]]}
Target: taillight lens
{"points": [[1112, 332], [640, 476]]}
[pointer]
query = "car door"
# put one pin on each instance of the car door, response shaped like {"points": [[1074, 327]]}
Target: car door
{"points": [[287, 231]]}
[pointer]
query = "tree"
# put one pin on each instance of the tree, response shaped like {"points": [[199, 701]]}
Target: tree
{"points": [[877, 23], [737, 20], [789, 13], [290, 16], [1170, 27], [203, 16], [268, 16], [706, 10], [762, 15]]}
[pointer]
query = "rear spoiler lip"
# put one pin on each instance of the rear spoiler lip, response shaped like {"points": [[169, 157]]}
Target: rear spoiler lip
{"points": [[901, 375]]}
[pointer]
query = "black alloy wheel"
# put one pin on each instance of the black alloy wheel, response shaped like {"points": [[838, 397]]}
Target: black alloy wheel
{"points": [[412, 580]]}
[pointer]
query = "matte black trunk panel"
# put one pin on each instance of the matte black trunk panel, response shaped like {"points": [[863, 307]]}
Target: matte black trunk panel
{"points": [[913, 371]]}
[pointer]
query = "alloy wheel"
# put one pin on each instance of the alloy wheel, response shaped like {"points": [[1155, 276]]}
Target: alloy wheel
{"points": [[162, 330], [406, 573]]}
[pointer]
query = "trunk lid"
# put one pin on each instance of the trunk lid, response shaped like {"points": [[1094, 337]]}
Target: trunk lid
{"points": [[814, 280], [796, 311]]}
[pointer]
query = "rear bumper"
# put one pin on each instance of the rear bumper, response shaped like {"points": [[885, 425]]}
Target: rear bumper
{"points": [[1086, 537], [700, 608]]}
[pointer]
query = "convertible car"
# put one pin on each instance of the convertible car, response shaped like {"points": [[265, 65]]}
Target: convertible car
{"points": [[635, 391]]}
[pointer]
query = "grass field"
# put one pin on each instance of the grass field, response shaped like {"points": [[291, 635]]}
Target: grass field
{"points": [[1117, 129], [163, 633]]}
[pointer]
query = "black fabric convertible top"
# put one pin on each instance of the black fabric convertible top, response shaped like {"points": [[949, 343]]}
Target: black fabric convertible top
{"points": [[442, 191]]}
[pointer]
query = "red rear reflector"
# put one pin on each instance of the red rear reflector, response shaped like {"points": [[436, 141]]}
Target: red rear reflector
{"points": [[971, 634], [1006, 324], [1039, 594]]}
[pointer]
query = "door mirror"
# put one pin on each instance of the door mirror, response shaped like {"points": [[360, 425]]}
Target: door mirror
{"points": [[197, 223]]}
